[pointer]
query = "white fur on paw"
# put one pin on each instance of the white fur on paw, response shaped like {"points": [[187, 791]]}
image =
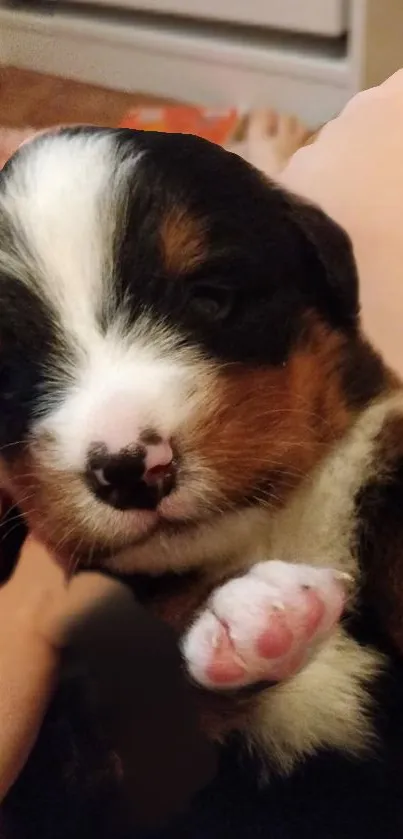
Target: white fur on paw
{"points": [[265, 625]]}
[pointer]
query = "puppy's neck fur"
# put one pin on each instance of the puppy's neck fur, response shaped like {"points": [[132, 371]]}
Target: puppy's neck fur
{"points": [[328, 704]]}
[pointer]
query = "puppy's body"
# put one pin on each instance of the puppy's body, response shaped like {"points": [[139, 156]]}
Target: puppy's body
{"points": [[184, 388]]}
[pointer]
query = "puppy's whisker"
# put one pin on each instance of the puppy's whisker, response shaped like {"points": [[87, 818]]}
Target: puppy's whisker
{"points": [[11, 445], [75, 559], [7, 534], [64, 539], [22, 500]]}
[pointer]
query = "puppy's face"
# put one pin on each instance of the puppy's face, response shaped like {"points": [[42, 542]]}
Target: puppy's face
{"points": [[172, 330]]}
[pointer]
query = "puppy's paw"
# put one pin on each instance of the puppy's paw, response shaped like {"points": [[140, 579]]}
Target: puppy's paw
{"points": [[265, 625]]}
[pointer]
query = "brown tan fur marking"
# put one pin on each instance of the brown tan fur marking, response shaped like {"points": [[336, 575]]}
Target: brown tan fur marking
{"points": [[182, 240], [276, 421]]}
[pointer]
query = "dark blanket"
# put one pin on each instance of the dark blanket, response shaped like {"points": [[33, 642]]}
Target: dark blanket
{"points": [[68, 791], [328, 797]]}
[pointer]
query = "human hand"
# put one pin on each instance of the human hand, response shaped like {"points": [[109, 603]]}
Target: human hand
{"points": [[354, 170], [37, 607], [11, 139]]}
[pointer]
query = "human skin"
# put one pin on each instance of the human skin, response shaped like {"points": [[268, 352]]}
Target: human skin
{"points": [[354, 171], [37, 607]]}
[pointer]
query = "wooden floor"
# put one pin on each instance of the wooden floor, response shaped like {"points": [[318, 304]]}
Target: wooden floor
{"points": [[28, 98]]}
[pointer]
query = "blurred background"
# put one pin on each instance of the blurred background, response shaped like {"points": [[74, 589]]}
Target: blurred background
{"points": [[91, 60]]}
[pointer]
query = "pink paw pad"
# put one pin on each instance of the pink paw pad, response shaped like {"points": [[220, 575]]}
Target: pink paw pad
{"points": [[265, 625]]}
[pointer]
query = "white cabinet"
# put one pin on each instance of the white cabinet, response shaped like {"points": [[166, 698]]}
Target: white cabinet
{"points": [[318, 17], [304, 56]]}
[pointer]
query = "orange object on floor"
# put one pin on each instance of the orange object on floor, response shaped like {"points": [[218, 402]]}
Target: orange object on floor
{"points": [[218, 126]]}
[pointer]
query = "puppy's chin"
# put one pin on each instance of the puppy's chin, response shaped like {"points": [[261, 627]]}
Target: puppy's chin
{"points": [[146, 551], [130, 543]]}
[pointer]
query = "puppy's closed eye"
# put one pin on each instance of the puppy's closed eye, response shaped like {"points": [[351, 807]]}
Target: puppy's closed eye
{"points": [[211, 302]]}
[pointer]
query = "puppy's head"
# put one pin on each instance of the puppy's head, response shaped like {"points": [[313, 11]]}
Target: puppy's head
{"points": [[174, 336]]}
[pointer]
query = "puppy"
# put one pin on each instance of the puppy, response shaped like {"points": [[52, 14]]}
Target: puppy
{"points": [[186, 398]]}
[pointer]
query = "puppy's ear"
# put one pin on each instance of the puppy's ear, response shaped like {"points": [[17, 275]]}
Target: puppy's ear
{"points": [[331, 279]]}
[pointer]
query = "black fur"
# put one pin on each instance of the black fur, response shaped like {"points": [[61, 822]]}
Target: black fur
{"points": [[267, 253], [28, 339], [363, 373]]}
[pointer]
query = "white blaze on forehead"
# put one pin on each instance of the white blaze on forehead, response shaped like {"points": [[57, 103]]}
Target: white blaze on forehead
{"points": [[125, 386], [65, 196], [64, 200]]}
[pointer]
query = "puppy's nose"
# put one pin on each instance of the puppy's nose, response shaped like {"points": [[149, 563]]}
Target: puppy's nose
{"points": [[132, 479]]}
